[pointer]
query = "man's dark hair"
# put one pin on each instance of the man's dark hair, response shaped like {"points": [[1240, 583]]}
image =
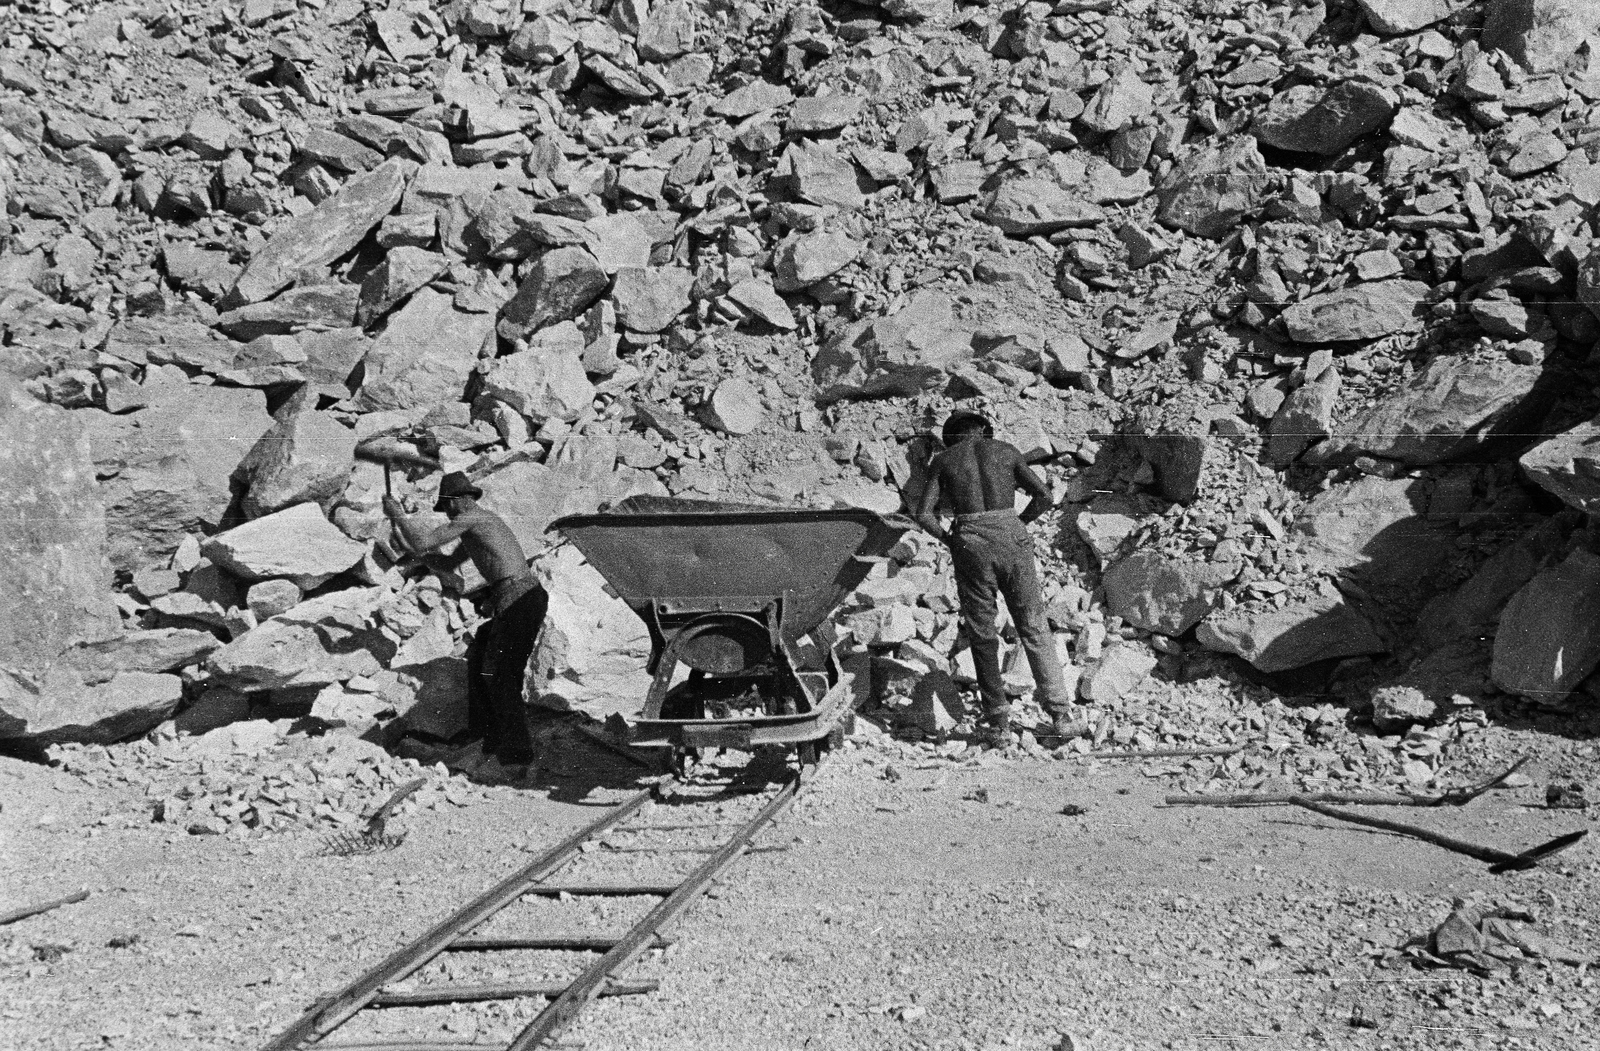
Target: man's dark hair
{"points": [[965, 424]]}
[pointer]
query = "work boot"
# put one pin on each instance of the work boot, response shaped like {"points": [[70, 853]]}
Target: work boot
{"points": [[996, 732], [1068, 728]]}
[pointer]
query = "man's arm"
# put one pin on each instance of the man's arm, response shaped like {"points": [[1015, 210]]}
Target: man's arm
{"points": [[417, 537], [1034, 486], [926, 513]]}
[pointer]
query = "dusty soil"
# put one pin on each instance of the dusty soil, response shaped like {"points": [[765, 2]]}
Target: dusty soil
{"points": [[924, 898]]}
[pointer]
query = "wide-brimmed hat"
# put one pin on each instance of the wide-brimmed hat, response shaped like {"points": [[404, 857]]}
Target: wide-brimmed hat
{"points": [[453, 485]]}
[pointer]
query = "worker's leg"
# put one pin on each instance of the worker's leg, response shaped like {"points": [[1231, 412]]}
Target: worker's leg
{"points": [[975, 587], [480, 681], [517, 629], [1018, 576]]}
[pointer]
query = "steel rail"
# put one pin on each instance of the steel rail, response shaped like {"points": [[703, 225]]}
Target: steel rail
{"points": [[564, 1009], [331, 1012]]}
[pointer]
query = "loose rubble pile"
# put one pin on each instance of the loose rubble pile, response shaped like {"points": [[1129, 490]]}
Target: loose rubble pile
{"points": [[256, 777], [1294, 303]]}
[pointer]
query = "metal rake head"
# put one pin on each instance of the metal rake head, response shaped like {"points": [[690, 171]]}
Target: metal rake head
{"points": [[361, 841]]}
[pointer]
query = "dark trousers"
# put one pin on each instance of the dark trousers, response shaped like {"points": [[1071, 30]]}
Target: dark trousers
{"points": [[496, 661], [993, 553]]}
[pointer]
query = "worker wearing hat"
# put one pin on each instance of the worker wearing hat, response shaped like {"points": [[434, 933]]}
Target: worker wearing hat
{"points": [[978, 477], [515, 604]]}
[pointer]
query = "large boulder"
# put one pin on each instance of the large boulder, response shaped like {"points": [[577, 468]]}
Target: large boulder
{"points": [[1451, 406], [1303, 631], [1408, 16], [529, 496], [804, 259], [559, 286], [424, 354], [1356, 312], [1123, 99], [155, 650], [902, 354], [297, 543], [320, 236], [1028, 206], [332, 638], [545, 381], [649, 298], [1307, 119], [1568, 466], [1214, 188], [1471, 610], [53, 569], [1546, 642], [1376, 529], [166, 470], [1542, 35], [592, 650], [1163, 594], [305, 457], [64, 708]]}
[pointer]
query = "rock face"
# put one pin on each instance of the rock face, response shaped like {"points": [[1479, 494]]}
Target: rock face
{"points": [[328, 639], [424, 354], [1366, 311], [1161, 594], [1303, 632], [1540, 34], [1449, 407], [1546, 643], [321, 235], [297, 543], [1568, 465], [1376, 529], [592, 650], [1214, 188], [53, 568], [63, 708], [305, 457], [1312, 120]]}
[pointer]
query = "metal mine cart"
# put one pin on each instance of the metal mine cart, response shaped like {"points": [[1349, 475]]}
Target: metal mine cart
{"points": [[740, 596]]}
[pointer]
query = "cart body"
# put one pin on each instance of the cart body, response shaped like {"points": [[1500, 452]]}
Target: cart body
{"points": [[739, 595]]}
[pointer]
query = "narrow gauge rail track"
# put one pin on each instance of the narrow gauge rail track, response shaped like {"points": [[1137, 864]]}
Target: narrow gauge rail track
{"points": [[372, 990]]}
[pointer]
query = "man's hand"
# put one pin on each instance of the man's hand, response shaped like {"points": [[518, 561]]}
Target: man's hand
{"points": [[392, 507]]}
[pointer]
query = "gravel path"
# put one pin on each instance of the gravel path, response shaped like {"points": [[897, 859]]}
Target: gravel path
{"points": [[922, 902]]}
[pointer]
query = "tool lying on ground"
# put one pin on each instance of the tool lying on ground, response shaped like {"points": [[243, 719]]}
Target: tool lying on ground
{"points": [[1499, 860], [739, 595], [1452, 797], [374, 837], [46, 906]]}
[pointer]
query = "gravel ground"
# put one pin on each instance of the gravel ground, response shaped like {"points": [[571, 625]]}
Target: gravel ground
{"points": [[920, 901]]}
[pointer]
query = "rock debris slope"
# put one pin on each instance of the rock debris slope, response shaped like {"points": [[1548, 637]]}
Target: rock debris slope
{"points": [[1296, 302]]}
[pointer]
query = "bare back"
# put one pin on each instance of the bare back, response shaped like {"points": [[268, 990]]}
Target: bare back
{"points": [[980, 474], [492, 546]]}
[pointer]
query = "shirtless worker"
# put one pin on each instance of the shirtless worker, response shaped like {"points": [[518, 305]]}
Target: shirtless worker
{"points": [[516, 607], [993, 552]]}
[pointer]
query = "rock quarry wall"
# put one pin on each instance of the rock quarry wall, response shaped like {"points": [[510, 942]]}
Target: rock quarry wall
{"points": [[1295, 303]]}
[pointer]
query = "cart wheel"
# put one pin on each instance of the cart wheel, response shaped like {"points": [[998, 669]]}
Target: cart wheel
{"points": [[682, 760]]}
